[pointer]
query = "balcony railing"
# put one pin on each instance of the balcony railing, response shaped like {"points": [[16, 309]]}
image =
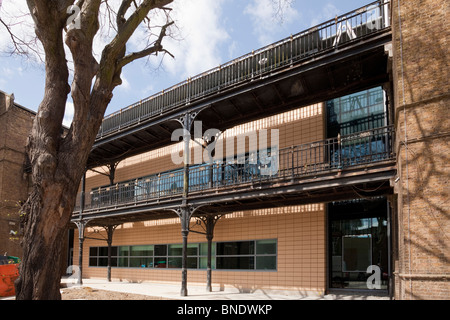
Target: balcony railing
{"points": [[358, 149], [347, 28]]}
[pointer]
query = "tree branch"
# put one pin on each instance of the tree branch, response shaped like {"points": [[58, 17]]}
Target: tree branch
{"points": [[129, 26], [20, 46], [120, 19], [157, 47]]}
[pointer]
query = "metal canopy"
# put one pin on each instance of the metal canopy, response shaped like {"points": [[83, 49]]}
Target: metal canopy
{"points": [[366, 181], [349, 69]]}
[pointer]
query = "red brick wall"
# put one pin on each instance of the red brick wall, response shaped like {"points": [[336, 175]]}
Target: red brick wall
{"points": [[15, 124]]}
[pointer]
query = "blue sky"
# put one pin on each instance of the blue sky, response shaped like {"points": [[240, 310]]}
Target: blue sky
{"points": [[210, 32]]}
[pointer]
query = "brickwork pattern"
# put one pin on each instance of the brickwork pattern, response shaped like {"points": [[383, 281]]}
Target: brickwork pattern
{"points": [[300, 231], [421, 90], [15, 125]]}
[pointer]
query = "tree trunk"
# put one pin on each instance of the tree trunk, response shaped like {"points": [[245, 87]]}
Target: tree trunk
{"points": [[58, 158]]}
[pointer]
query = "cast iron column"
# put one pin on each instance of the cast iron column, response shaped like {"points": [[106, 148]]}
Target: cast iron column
{"points": [[185, 214], [209, 222], [81, 224], [185, 219], [209, 236], [109, 231]]}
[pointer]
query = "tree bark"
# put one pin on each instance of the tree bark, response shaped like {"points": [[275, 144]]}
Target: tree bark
{"points": [[58, 158]]}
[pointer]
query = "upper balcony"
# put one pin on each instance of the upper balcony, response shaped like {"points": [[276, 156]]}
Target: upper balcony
{"points": [[337, 57], [358, 164]]}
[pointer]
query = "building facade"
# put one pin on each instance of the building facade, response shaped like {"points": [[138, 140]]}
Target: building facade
{"points": [[341, 184], [15, 124], [309, 248]]}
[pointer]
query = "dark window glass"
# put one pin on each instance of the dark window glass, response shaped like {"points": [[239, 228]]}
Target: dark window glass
{"points": [[358, 239], [161, 250], [242, 263], [93, 251], [266, 247], [141, 251], [160, 262], [266, 262], [103, 251], [356, 112], [102, 262], [235, 248], [123, 262], [93, 262], [141, 262], [176, 262], [124, 251], [230, 255]]}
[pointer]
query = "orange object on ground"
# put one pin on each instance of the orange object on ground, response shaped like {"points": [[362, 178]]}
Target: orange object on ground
{"points": [[8, 274]]}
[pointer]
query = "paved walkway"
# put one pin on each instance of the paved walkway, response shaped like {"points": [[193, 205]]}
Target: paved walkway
{"points": [[198, 292]]}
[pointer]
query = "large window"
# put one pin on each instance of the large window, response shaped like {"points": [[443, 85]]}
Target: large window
{"points": [[238, 255], [358, 239], [356, 112], [359, 120]]}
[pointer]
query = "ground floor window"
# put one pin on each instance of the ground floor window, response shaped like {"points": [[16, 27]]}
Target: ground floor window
{"points": [[358, 240], [236, 255]]}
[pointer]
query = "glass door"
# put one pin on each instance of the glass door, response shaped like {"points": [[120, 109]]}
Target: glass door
{"points": [[358, 244]]}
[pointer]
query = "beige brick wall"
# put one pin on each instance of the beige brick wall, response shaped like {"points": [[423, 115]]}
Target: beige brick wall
{"points": [[301, 260], [300, 230], [295, 127], [421, 91]]}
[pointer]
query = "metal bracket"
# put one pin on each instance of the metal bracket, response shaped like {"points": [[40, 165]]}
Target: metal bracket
{"points": [[81, 225]]}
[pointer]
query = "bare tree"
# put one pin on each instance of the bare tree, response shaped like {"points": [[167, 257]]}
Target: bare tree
{"points": [[58, 161]]}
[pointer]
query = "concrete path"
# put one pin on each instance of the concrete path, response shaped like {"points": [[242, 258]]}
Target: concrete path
{"points": [[198, 292]]}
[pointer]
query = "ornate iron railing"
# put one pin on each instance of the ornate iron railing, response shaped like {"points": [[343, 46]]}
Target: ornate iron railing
{"points": [[353, 26], [358, 149]]}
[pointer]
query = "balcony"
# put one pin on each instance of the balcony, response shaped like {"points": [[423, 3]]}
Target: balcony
{"points": [[332, 59], [358, 155]]}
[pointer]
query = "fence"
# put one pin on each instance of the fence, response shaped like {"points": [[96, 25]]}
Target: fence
{"points": [[353, 150], [347, 28]]}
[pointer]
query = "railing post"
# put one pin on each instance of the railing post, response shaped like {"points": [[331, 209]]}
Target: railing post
{"points": [[83, 193], [292, 163], [339, 151]]}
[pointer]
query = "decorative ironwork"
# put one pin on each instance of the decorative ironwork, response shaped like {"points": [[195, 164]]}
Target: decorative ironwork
{"points": [[354, 26], [362, 148]]}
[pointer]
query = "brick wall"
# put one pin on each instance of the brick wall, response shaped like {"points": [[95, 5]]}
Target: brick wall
{"points": [[301, 260], [15, 124], [295, 127], [300, 230], [421, 92]]}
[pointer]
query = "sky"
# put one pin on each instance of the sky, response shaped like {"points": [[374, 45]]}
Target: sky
{"points": [[208, 33]]}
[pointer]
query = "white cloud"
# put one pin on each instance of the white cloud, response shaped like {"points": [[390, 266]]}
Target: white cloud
{"points": [[267, 22], [197, 47], [329, 11], [68, 115], [16, 15], [125, 86]]}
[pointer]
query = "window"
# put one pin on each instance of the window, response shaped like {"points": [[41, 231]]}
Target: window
{"points": [[357, 118], [358, 239], [247, 255], [238, 255], [356, 112], [98, 256]]}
